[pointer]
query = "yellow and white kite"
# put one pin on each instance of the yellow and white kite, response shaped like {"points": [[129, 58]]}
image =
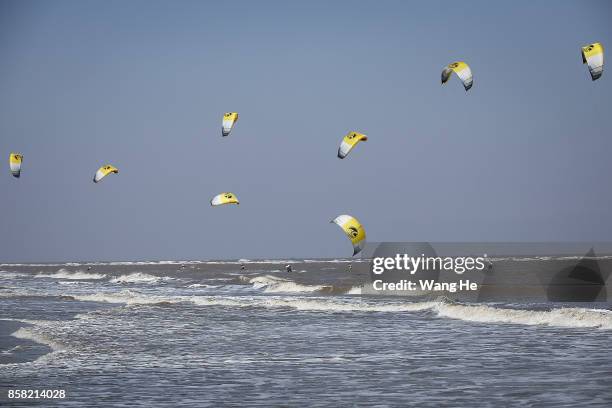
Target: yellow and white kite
{"points": [[15, 160], [104, 171], [593, 56], [462, 70], [224, 198], [229, 120], [353, 230], [350, 140]]}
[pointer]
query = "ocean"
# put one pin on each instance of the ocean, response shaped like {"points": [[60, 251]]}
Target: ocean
{"points": [[250, 333]]}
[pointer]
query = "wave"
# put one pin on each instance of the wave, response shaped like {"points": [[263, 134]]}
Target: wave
{"points": [[144, 263], [139, 277], [77, 275], [15, 293], [306, 304], [9, 275], [273, 284], [335, 306], [562, 317], [26, 333], [127, 297], [11, 350]]}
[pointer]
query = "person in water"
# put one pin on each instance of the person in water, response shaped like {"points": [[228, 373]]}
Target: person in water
{"points": [[242, 267], [489, 263], [288, 268]]}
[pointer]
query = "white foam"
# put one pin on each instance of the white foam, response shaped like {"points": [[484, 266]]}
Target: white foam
{"points": [[273, 284], [563, 317], [308, 304], [202, 285], [325, 305], [126, 297], [26, 333], [221, 301], [11, 350], [8, 275], [77, 275], [138, 277], [560, 317]]}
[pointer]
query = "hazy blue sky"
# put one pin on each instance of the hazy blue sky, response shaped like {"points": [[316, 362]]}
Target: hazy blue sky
{"points": [[523, 156]]}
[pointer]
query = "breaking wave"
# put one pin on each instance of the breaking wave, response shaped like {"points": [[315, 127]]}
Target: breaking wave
{"points": [[26, 333], [126, 297], [273, 284], [559, 317], [11, 275], [562, 317], [138, 277], [77, 275]]}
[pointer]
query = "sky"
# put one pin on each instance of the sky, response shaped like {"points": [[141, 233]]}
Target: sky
{"points": [[523, 156]]}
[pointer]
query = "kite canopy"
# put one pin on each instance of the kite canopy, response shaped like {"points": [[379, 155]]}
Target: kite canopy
{"points": [[593, 56], [353, 230], [462, 70], [224, 198], [104, 171], [229, 120], [15, 160], [350, 140]]}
